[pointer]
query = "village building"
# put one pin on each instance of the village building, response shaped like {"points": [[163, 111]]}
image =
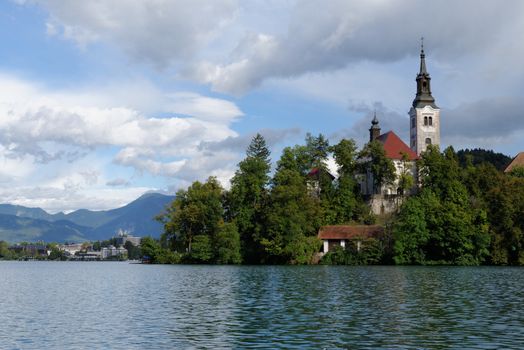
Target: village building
{"points": [[112, 252], [518, 161], [341, 235]]}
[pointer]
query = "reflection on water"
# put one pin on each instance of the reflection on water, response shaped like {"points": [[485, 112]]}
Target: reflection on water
{"points": [[67, 305]]}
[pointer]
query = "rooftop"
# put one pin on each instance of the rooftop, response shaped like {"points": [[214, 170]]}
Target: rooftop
{"points": [[395, 147], [517, 161], [350, 231]]}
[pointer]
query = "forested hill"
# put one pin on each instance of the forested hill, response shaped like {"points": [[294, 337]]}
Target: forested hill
{"points": [[18, 223], [478, 156]]}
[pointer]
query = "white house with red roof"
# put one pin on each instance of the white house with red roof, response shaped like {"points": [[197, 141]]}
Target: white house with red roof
{"points": [[424, 129]]}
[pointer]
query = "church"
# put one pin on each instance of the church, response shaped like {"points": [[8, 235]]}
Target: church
{"points": [[424, 130]]}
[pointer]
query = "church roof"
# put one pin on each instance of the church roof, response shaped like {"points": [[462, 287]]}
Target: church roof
{"points": [[315, 173], [349, 231], [395, 147], [517, 161]]}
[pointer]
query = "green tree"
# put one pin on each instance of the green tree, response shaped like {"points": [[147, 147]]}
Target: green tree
{"points": [[441, 225], [247, 198], [202, 251], [293, 216], [346, 198], [5, 253], [153, 252], [195, 211], [405, 178], [317, 150], [133, 252], [517, 171], [56, 253], [410, 231], [227, 244], [373, 159]]}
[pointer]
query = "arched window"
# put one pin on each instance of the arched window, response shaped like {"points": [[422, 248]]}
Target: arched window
{"points": [[425, 120], [428, 141], [430, 120]]}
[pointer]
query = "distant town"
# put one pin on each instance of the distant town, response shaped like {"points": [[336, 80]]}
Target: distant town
{"points": [[119, 248]]}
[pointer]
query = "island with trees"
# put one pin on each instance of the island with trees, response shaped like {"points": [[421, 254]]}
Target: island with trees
{"points": [[464, 211]]}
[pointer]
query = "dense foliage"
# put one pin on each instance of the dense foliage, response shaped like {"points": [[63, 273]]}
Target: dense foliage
{"points": [[463, 213], [264, 219], [478, 156]]}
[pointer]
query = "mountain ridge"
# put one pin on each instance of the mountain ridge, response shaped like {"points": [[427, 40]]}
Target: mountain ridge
{"points": [[19, 223]]}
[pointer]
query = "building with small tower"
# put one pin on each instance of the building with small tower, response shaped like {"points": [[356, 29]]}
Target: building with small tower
{"points": [[424, 131]]}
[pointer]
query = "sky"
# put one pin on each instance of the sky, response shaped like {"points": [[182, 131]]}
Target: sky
{"points": [[104, 100]]}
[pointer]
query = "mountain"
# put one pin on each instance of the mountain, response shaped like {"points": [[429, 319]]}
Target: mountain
{"points": [[18, 223], [18, 229], [138, 217], [33, 213]]}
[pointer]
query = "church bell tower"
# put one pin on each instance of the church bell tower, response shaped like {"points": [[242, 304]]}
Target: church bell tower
{"points": [[424, 115]]}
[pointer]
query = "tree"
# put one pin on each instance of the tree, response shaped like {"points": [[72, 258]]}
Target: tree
{"points": [[374, 160], [317, 150], [133, 252], [56, 253], [405, 178], [410, 231], [480, 156], [227, 244], [345, 154], [441, 225], [202, 251], [153, 252], [293, 216], [346, 197], [195, 211], [517, 171], [247, 198]]}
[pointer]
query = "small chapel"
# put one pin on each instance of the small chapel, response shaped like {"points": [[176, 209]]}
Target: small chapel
{"points": [[424, 130]]}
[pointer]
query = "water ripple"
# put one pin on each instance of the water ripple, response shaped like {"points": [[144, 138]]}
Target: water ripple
{"points": [[123, 306]]}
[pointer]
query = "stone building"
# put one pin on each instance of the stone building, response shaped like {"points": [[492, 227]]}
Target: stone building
{"points": [[424, 130]]}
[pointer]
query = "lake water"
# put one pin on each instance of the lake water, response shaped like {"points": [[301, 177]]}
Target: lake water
{"points": [[105, 305]]}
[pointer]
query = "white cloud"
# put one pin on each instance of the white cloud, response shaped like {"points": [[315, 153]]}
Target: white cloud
{"points": [[75, 136], [327, 36], [156, 31]]}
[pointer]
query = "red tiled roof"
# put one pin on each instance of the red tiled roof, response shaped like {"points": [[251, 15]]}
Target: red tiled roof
{"points": [[394, 146], [349, 231], [517, 161], [315, 172]]}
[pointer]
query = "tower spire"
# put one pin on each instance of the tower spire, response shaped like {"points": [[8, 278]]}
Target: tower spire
{"points": [[374, 131], [423, 97], [422, 58]]}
